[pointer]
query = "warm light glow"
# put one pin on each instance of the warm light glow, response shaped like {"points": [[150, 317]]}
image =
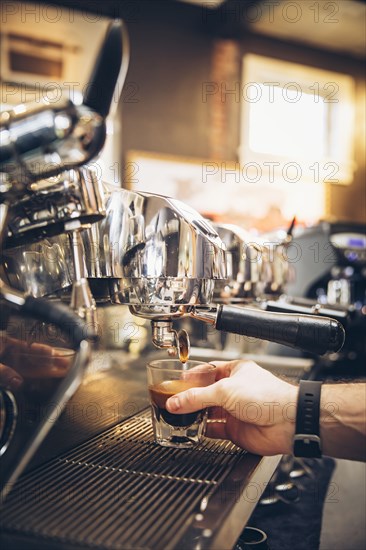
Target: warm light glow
{"points": [[294, 113], [287, 125], [20, 109]]}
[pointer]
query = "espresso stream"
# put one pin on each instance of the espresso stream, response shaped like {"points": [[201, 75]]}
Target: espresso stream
{"points": [[160, 393]]}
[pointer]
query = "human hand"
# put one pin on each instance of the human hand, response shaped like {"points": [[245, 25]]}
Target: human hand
{"points": [[19, 361], [9, 378], [251, 407]]}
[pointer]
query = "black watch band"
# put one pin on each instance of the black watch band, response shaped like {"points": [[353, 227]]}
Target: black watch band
{"points": [[307, 436]]}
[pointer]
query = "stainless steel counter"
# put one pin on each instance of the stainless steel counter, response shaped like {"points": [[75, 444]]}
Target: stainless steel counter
{"points": [[99, 480]]}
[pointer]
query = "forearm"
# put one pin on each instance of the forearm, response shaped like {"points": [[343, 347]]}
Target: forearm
{"points": [[343, 420], [243, 387]]}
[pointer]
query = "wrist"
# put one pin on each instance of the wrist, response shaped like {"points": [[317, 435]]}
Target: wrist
{"points": [[343, 420], [289, 416]]}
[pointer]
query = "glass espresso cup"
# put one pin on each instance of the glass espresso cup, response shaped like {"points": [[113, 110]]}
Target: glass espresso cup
{"points": [[166, 378]]}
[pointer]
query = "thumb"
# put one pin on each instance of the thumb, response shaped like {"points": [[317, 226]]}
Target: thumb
{"points": [[9, 378], [194, 399]]}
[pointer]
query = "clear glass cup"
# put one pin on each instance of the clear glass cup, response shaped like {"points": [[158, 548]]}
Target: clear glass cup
{"points": [[167, 377]]}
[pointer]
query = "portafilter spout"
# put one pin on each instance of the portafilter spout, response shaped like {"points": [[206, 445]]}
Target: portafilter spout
{"points": [[165, 337]]}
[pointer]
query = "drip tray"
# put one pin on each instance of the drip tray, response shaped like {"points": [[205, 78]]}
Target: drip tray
{"points": [[120, 490]]}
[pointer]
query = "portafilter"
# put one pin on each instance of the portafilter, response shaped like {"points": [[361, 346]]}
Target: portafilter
{"points": [[162, 259]]}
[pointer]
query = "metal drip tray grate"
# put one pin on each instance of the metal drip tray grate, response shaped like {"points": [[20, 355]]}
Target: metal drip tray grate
{"points": [[119, 490]]}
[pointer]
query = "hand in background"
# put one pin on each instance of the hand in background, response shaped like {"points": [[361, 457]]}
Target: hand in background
{"points": [[19, 361], [9, 378]]}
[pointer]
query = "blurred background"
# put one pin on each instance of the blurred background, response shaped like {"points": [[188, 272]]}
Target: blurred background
{"points": [[251, 111]]}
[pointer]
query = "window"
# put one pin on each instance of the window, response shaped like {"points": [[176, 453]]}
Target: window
{"points": [[297, 122]]}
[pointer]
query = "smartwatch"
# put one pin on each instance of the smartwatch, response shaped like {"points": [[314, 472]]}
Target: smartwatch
{"points": [[307, 436]]}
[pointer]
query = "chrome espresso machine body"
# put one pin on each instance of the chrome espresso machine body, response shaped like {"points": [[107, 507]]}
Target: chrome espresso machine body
{"points": [[325, 277], [162, 259], [257, 270], [258, 266], [45, 190]]}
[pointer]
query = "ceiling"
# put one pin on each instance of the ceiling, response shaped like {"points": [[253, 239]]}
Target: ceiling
{"points": [[338, 26], [204, 3]]}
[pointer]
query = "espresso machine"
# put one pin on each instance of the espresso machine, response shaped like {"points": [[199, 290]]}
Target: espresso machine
{"points": [[162, 259], [67, 237], [335, 286], [258, 270], [47, 190]]}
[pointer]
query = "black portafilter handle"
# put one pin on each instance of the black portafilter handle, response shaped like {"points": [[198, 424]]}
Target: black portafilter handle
{"points": [[101, 86], [61, 316], [309, 333], [343, 316]]}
